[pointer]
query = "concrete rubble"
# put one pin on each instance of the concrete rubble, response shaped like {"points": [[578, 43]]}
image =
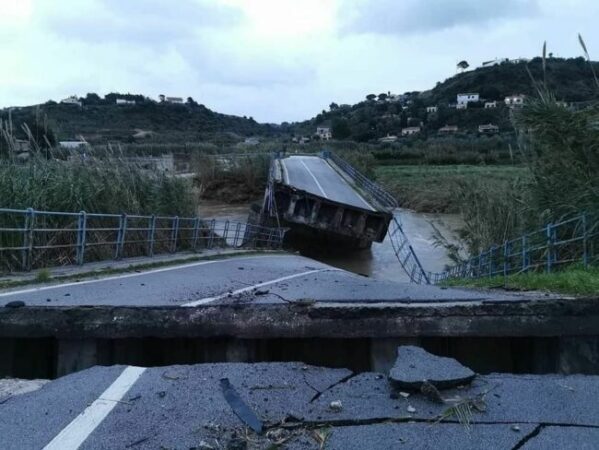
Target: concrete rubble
{"points": [[308, 407], [415, 366]]}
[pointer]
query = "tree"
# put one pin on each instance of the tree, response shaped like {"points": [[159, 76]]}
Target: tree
{"points": [[92, 99], [191, 102], [333, 106], [383, 97], [340, 129], [370, 97], [463, 65]]}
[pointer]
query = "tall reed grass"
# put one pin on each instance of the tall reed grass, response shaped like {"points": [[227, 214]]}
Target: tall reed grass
{"points": [[108, 185], [560, 149]]}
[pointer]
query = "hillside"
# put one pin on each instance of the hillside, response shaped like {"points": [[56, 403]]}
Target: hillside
{"points": [[101, 120], [570, 80]]}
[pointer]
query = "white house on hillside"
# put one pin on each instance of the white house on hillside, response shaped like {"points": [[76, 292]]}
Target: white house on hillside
{"points": [[490, 105], [468, 97], [324, 133], [72, 100], [431, 109], [488, 129], [409, 131], [514, 101], [122, 101], [176, 100]]}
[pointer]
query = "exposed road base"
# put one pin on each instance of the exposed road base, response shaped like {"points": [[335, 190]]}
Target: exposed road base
{"points": [[300, 407]]}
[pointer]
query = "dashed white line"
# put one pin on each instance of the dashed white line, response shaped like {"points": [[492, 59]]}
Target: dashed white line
{"points": [[255, 286], [129, 275], [314, 178], [76, 432]]}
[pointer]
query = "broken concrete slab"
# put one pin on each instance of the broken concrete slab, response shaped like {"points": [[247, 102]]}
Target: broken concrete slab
{"points": [[183, 407], [551, 399], [414, 366]]}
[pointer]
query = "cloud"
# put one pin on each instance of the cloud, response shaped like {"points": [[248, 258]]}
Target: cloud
{"points": [[418, 16], [135, 22]]}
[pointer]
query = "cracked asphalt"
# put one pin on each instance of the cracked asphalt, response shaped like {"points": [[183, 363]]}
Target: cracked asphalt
{"points": [[268, 279], [301, 407]]}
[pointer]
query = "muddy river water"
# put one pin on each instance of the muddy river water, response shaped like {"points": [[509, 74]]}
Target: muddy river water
{"points": [[379, 261]]}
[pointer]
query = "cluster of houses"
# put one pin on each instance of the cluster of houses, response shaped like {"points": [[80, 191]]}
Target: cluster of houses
{"points": [[74, 100], [462, 101]]}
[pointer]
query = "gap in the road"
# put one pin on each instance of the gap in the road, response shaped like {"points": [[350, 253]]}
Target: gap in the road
{"points": [[49, 357]]}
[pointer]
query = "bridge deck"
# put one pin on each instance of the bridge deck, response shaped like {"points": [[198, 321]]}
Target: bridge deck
{"points": [[316, 176]]}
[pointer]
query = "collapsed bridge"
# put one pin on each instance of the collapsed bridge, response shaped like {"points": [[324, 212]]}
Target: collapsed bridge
{"points": [[322, 198]]}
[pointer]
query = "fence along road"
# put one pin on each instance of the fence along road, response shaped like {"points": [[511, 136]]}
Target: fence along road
{"points": [[559, 244], [31, 239]]}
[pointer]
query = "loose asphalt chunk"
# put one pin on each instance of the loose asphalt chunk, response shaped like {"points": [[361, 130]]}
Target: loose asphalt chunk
{"points": [[414, 366]]}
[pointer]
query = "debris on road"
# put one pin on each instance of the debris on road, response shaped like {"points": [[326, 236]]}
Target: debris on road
{"points": [[415, 366]]}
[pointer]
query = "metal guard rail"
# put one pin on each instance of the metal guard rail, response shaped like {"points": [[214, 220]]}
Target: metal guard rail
{"points": [[556, 245], [32, 239], [405, 254], [376, 191]]}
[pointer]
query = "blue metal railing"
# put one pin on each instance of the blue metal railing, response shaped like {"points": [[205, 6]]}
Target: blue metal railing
{"points": [[556, 245], [31, 239], [405, 254]]}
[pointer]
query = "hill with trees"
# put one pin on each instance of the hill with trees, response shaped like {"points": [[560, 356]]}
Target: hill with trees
{"points": [[570, 80], [101, 120]]}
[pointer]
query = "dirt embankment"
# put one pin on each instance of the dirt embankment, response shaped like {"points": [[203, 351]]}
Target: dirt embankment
{"points": [[231, 191]]}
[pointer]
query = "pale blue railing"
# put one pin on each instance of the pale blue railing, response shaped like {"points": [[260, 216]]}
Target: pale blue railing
{"points": [[548, 249], [30, 238]]}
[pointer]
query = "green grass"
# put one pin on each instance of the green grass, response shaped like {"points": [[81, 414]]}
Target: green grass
{"points": [[431, 188], [575, 281]]}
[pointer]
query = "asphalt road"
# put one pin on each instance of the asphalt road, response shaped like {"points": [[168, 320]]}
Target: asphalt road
{"points": [[254, 279], [314, 175], [184, 407]]}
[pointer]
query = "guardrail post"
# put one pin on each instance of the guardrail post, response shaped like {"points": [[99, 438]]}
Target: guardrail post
{"points": [[27, 251], [585, 250], [196, 231], [174, 232], [81, 237], [211, 238], [524, 253], [506, 263], [151, 235], [120, 239], [549, 232], [237, 231], [226, 233]]}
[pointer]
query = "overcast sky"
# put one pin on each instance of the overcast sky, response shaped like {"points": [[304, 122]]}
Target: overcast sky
{"points": [[275, 60]]}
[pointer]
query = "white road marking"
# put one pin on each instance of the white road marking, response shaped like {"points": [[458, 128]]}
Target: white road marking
{"points": [[314, 178], [129, 275], [255, 286], [76, 432]]}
